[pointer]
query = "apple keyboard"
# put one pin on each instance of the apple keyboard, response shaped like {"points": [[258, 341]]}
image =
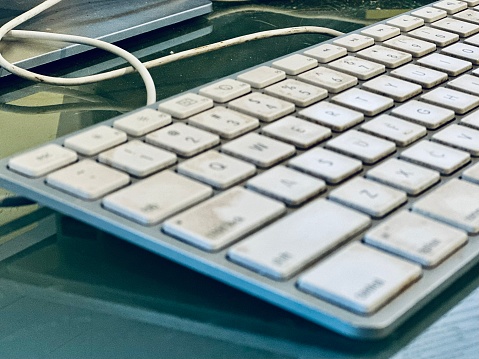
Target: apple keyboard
{"points": [[340, 182]]}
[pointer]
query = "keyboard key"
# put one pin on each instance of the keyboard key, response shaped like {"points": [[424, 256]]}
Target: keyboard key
{"points": [[225, 90], [415, 47], [288, 245], [354, 42], [87, 179], [328, 165], [416, 238], [406, 22], [295, 64], [259, 150], [472, 174], [461, 137], [366, 102], [264, 107], [182, 139], [297, 92], [423, 76], [398, 90], [186, 105], [301, 133], [462, 28], [454, 100], [468, 15], [430, 14], [332, 81], [42, 160], [466, 83], [286, 185], [447, 64], [359, 278], [463, 51], [223, 219], [224, 122], [156, 197], [388, 57], [262, 76], [362, 146], [471, 120], [439, 37], [368, 196], [436, 156], [354, 66], [216, 169], [95, 140], [141, 122], [394, 129], [381, 32], [403, 175], [424, 114], [137, 158], [334, 116], [455, 203], [451, 6], [326, 53]]}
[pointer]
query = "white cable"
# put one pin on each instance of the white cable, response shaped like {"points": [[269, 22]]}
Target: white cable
{"points": [[7, 29]]}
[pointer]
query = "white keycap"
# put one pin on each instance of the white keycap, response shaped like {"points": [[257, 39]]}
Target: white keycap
{"points": [[223, 219], [297, 92], [295, 64], [446, 64], [301, 133], [472, 174], [394, 129], [95, 140], [451, 6], [368, 196], [360, 145], [463, 51], [416, 238], [288, 245], [462, 28], [415, 47], [406, 22], [354, 66], [186, 105], [224, 122], [326, 52], [334, 116], [381, 32], [157, 197], [420, 75], [388, 57], [366, 102], [457, 101], [42, 160], [437, 36], [466, 83], [471, 2], [472, 40], [359, 278], [225, 90], [87, 179], [137, 158], [182, 139], [264, 107], [424, 114], [328, 165], [260, 150], [262, 76], [354, 42], [436, 156], [141, 122], [472, 119], [398, 90], [455, 203], [468, 15], [216, 169], [331, 80], [286, 185], [430, 14], [403, 175], [461, 137]]}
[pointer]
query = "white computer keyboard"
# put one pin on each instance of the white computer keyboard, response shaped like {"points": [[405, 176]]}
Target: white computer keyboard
{"points": [[340, 182]]}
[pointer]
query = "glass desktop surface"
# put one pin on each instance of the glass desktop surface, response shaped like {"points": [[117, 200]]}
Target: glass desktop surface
{"points": [[68, 290]]}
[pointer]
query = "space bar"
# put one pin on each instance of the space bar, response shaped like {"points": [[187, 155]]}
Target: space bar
{"points": [[288, 245]]}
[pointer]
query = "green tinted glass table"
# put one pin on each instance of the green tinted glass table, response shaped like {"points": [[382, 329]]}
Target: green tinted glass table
{"points": [[68, 290]]}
